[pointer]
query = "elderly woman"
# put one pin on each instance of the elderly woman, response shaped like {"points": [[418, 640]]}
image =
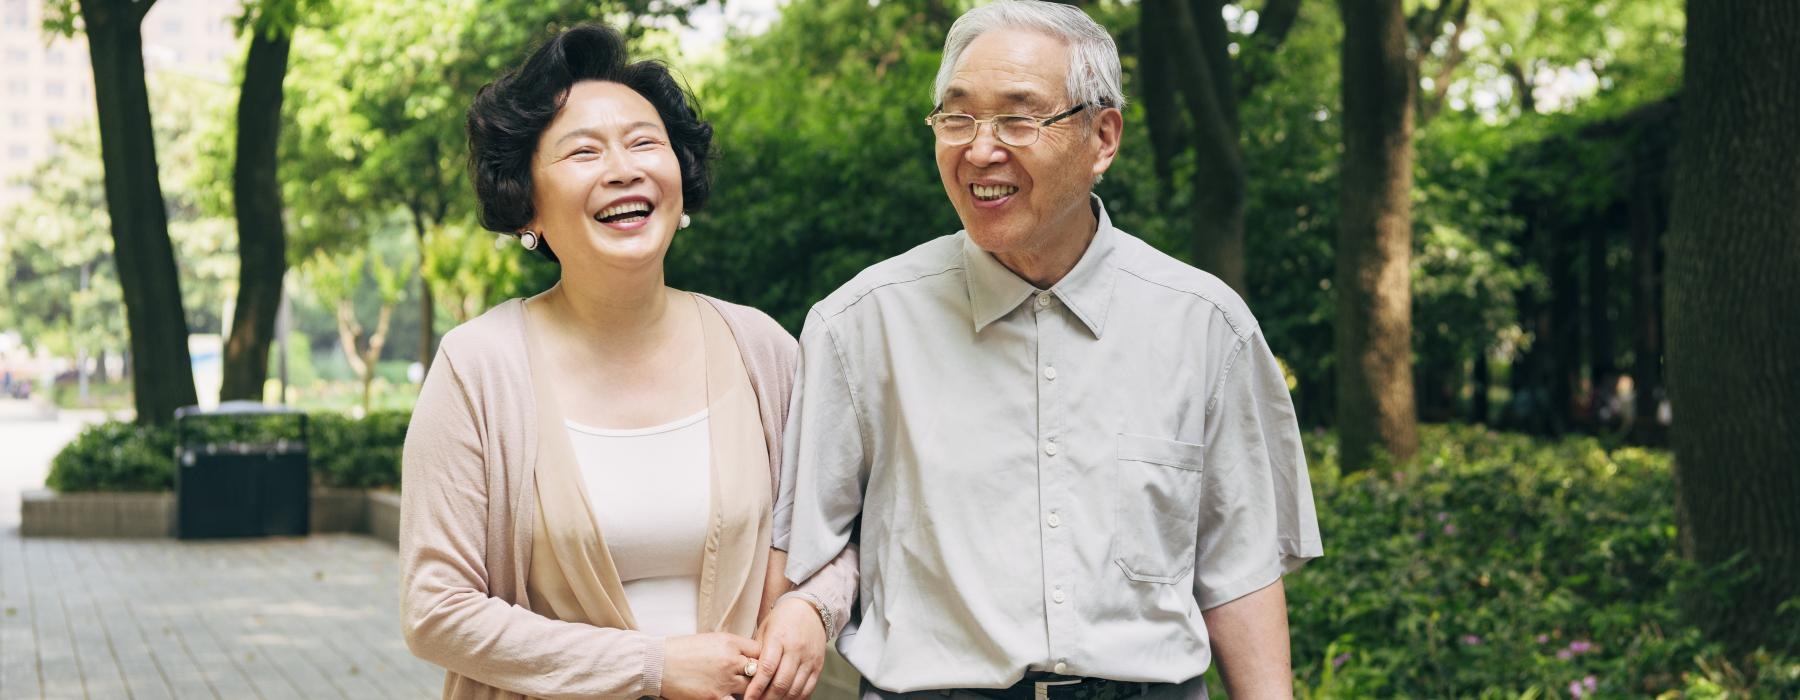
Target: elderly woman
{"points": [[589, 473]]}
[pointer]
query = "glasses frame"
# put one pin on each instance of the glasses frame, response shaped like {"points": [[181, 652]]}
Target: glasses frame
{"points": [[993, 123]]}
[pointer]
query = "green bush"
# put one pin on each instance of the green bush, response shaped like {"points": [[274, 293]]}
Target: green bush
{"points": [[353, 453], [1501, 566], [115, 456], [344, 452]]}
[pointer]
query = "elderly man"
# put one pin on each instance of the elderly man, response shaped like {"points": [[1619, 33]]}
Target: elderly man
{"points": [[1070, 461]]}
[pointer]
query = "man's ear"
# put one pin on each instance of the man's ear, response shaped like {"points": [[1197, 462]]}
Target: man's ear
{"points": [[1109, 127]]}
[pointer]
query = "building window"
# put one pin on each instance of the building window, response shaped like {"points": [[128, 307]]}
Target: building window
{"points": [[172, 26], [17, 57], [54, 88], [56, 121], [18, 120], [55, 57], [15, 87], [17, 151]]}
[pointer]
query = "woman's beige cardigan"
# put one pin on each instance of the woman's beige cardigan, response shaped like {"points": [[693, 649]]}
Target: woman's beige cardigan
{"points": [[468, 507]]}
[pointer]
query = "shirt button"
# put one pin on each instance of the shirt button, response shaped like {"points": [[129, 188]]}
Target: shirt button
{"points": [[1043, 298], [1057, 595], [1061, 669], [1055, 520], [1050, 449], [1050, 373]]}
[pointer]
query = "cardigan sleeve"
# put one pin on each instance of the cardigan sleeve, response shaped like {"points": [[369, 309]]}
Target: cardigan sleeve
{"points": [[448, 615], [770, 356]]}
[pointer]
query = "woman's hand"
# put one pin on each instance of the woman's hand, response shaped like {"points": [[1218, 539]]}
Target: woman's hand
{"points": [[707, 666], [793, 646]]}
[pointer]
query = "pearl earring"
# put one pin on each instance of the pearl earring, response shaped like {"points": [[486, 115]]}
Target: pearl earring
{"points": [[529, 240], [686, 221]]}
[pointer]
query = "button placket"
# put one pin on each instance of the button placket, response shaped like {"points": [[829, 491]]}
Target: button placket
{"points": [[1055, 474]]}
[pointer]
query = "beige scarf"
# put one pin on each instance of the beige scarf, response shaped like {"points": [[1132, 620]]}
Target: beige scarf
{"points": [[573, 577]]}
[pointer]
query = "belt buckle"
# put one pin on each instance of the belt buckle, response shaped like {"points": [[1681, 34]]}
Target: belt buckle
{"points": [[1041, 689]]}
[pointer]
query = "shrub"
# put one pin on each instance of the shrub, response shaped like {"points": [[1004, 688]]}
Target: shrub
{"points": [[120, 456], [363, 453], [115, 456], [1499, 564]]}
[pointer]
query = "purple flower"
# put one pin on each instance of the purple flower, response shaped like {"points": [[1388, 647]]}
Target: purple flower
{"points": [[1471, 640], [1338, 661], [1581, 646], [1564, 654], [1442, 516], [1590, 682], [1449, 528], [1542, 638], [1575, 689]]}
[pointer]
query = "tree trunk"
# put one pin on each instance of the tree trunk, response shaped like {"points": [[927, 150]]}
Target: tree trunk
{"points": [[262, 241], [1601, 371], [163, 373], [1564, 335], [427, 310], [1733, 297], [1374, 243], [1156, 68], [1203, 72], [1481, 380], [1645, 219]]}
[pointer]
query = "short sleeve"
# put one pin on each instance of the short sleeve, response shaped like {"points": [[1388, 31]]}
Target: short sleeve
{"points": [[824, 464], [1256, 513]]}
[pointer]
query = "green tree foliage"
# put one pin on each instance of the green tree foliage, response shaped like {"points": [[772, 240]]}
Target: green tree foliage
{"points": [[337, 279], [825, 163], [60, 230]]}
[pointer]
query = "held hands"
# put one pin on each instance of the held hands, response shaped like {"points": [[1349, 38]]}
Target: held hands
{"points": [[793, 652], [708, 666]]}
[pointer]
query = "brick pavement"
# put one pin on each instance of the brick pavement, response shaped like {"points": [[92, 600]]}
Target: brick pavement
{"points": [[279, 618]]}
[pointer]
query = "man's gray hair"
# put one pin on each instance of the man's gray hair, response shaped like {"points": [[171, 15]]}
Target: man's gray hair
{"points": [[1093, 57]]}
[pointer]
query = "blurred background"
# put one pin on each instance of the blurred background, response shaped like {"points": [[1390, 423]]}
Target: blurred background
{"points": [[1506, 315]]}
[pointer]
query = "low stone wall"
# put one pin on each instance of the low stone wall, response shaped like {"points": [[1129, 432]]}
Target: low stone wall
{"points": [[45, 513], [384, 516]]}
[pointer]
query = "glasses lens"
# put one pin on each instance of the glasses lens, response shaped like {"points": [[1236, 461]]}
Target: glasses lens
{"points": [[955, 128], [1018, 131]]}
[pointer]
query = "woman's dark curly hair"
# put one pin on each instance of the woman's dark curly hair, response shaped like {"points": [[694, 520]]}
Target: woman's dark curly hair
{"points": [[510, 114]]}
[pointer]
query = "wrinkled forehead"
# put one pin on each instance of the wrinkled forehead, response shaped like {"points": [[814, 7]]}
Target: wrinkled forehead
{"points": [[1010, 69]]}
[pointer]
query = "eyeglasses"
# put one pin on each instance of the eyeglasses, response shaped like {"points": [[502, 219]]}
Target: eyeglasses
{"points": [[1016, 130]]}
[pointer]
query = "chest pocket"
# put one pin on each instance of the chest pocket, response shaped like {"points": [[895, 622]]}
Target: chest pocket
{"points": [[1156, 498]]}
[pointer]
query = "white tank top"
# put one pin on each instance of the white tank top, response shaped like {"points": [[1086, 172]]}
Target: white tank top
{"points": [[651, 489]]}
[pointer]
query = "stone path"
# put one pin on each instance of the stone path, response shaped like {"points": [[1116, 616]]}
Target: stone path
{"points": [[278, 618]]}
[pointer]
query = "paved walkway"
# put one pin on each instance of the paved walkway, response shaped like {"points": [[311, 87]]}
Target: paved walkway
{"points": [[279, 618]]}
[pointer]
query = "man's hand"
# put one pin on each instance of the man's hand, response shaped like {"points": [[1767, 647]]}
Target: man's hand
{"points": [[707, 666], [793, 652]]}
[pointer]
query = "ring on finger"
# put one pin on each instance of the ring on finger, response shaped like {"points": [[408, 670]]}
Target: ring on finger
{"points": [[750, 669]]}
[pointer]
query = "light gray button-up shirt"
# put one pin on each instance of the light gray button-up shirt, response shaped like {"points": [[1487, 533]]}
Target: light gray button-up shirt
{"points": [[1050, 480]]}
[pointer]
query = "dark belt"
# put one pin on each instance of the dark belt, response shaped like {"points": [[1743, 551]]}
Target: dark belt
{"points": [[1050, 687]]}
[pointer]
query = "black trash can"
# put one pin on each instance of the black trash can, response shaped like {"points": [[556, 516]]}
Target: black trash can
{"points": [[241, 470]]}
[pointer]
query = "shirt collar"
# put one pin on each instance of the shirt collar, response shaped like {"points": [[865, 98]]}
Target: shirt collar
{"points": [[995, 291]]}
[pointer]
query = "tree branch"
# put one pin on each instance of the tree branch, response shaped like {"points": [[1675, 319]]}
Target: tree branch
{"points": [[1430, 105], [1215, 135], [1162, 112], [1256, 59]]}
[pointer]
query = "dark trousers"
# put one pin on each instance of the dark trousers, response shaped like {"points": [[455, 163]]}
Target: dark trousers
{"points": [[1193, 689]]}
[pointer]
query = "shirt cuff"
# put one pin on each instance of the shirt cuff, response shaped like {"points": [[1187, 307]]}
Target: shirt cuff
{"points": [[654, 661]]}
